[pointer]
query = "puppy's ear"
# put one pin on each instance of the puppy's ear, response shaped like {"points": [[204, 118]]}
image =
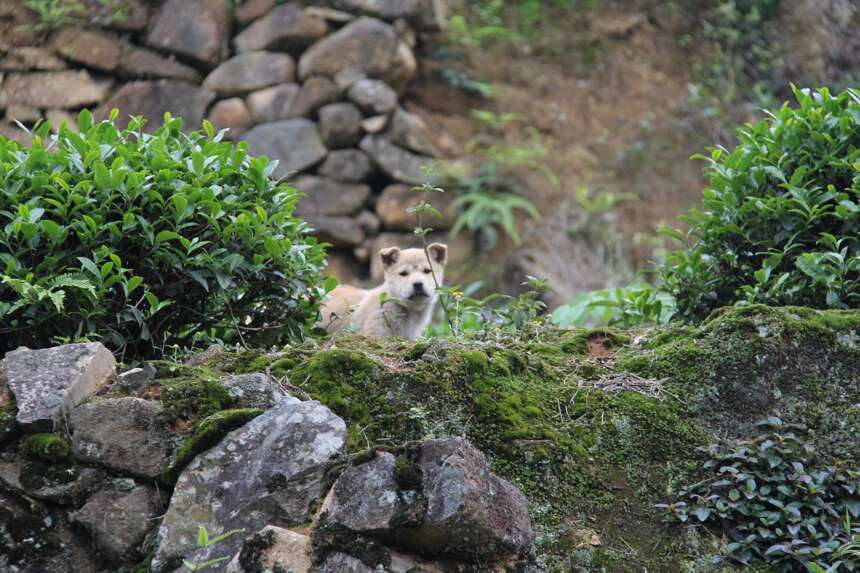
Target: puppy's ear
{"points": [[438, 252], [389, 256]]}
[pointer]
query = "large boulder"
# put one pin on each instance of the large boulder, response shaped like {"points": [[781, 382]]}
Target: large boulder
{"points": [[366, 47], [347, 165], [48, 383], [470, 510], [250, 71], [119, 520], [438, 499], [396, 162], [327, 197], [295, 143], [65, 89], [286, 28], [340, 125], [271, 470], [340, 231], [195, 29], [126, 435], [385, 9], [153, 99]]}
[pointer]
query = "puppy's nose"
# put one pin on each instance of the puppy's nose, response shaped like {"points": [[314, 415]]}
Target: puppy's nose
{"points": [[418, 286]]}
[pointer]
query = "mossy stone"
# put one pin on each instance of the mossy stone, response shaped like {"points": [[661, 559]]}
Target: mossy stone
{"points": [[47, 447]]}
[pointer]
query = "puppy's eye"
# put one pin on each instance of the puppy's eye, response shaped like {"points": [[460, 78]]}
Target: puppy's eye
{"points": [[403, 273], [426, 271]]}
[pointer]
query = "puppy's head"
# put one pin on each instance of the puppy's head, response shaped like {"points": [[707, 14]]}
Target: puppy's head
{"points": [[409, 275]]}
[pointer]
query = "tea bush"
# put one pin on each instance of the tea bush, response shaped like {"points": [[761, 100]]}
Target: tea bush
{"points": [[775, 500], [781, 215], [146, 240]]}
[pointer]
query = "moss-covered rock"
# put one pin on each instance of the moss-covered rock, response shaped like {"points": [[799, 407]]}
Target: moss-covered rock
{"points": [[586, 458], [46, 447], [208, 433]]}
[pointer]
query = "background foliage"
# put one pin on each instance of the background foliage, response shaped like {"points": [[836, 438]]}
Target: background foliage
{"points": [[145, 240]]}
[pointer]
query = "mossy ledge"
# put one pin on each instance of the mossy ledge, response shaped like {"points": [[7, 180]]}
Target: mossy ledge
{"points": [[588, 460]]}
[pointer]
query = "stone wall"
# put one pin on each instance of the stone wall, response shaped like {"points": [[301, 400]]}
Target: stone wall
{"points": [[318, 86]]}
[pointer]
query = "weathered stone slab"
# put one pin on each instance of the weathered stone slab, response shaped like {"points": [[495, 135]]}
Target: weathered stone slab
{"points": [[270, 470], [31, 58], [366, 45], [399, 164], [48, 383], [90, 48], [340, 125], [274, 549], [347, 165], [411, 132], [126, 435], [327, 197], [373, 96], [146, 64], [153, 99]]}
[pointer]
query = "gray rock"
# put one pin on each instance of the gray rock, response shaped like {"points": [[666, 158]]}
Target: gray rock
{"points": [[410, 132], [136, 380], [139, 63], [295, 143], [126, 435], [48, 383], [342, 563], [62, 484], [385, 9], [61, 90], [119, 520], [274, 549], [90, 48], [397, 163], [366, 45], [203, 358], [250, 10], [270, 470], [153, 99], [286, 28], [330, 14], [256, 390], [348, 165], [365, 499], [373, 96], [312, 95], [403, 68], [470, 511], [340, 125], [339, 231], [272, 104], [326, 197], [250, 71], [232, 114], [196, 29], [31, 58]]}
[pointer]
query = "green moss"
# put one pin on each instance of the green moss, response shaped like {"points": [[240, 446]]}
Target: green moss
{"points": [[208, 433], [46, 447], [407, 473], [192, 398], [582, 455]]}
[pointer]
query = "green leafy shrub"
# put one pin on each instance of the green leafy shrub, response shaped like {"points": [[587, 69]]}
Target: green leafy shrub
{"points": [[781, 214], [774, 499], [635, 305], [144, 240]]}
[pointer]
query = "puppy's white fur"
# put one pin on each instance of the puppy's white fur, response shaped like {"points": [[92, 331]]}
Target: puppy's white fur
{"points": [[410, 290]]}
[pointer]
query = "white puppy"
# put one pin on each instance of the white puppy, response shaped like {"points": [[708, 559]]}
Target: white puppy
{"points": [[400, 306]]}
